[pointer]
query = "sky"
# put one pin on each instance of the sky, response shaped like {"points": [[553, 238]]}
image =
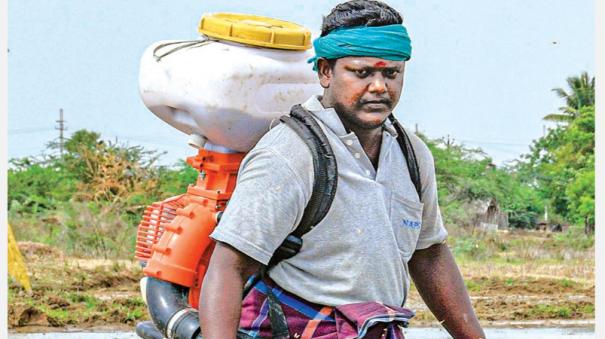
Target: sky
{"points": [[481, 71]]}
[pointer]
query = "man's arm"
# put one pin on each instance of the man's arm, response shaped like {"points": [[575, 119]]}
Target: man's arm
{"points": [[440, 285], [221, 297]]}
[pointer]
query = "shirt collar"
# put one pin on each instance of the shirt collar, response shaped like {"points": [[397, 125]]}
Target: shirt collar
{"points": [[330, 118]]}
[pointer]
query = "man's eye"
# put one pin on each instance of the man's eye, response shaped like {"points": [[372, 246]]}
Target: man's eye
{"points": [[362, 73], [391, 73]]}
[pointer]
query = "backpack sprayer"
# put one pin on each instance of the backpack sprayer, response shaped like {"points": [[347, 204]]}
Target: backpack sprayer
{"points": [[225, 90]]}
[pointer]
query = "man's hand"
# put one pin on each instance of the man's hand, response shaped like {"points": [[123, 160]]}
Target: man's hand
{"points": [[221, 297], [440, 285]]}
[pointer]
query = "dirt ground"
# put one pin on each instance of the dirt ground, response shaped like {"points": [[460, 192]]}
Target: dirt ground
{"points": [[501, 301], [83, 293], [80, 293]]}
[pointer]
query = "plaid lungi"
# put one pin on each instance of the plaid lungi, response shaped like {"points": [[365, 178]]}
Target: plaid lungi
{"points": [[307, 320]]}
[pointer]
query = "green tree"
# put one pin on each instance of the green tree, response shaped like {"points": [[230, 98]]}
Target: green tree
{"points": [[89, 199], [581, 94], [35, 186], [560, 166], [465, 175]]}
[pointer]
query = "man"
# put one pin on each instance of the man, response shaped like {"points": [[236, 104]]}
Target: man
{"points": [[378, 230]]}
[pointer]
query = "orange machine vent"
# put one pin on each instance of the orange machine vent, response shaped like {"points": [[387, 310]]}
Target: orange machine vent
{"points": [[151, 227]]}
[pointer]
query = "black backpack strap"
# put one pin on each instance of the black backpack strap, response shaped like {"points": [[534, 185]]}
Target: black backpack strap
{"points": [[276, 315], [408, 153], [324, 182]]}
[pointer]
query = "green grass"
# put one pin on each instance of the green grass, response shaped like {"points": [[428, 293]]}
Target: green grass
{"points": [[88, 300], [565, 311], [575, 239], [567, 283], [551, 311], [80, 307], [472, 285]]}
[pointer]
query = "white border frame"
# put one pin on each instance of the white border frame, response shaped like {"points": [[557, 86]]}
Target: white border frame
{"points": [[3, 167]]}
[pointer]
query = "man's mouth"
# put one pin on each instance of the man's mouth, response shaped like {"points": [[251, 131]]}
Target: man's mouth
{"points": [[376, 103]]}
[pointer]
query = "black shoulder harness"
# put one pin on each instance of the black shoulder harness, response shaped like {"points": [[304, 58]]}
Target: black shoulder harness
{"points": [[324, 182]]}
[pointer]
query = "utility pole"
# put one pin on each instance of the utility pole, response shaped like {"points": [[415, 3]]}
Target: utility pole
{"points": [[61, 129], [416, 128], [448, 142]]}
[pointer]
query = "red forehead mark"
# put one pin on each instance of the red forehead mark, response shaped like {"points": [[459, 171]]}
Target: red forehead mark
{"points": [[380, 64]]}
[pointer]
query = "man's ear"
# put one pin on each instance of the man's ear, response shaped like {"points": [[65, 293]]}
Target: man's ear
{"points": [[324, 71]]}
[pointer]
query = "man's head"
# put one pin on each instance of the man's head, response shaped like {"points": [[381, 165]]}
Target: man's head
{"points": [[360, 13], [362, 89]]}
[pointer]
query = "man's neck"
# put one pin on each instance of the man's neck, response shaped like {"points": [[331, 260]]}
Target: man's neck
{"points": [[370, 141]]}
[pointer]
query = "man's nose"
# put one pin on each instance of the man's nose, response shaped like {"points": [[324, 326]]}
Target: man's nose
{"points": [[377, 85]]}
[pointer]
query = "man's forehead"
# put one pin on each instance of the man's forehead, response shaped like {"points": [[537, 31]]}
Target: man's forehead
{"points": [[371, 62]]}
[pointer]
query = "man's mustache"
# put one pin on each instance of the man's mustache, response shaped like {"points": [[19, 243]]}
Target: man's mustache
{"points": [[387, 102]]}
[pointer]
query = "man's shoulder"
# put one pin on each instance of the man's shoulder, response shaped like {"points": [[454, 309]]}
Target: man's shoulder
{"points": [[282, 139], [283, 143]]}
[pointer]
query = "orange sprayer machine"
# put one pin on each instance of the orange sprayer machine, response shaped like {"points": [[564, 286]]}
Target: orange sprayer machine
{"points": [[224, 90]]}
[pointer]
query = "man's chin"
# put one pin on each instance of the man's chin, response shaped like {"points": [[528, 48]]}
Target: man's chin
{"points": [[364, 118], [372, 123]]}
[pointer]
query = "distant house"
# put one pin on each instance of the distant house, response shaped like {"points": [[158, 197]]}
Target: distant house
{"points": [[558, 227], [553, 227], [542, 225], [488, 216]]}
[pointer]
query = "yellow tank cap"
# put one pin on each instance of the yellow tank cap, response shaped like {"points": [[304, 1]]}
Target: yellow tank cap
{"points": [[255, 30]]}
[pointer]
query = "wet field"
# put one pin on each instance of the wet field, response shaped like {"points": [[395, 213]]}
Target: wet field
{"points": [[430, 333]]}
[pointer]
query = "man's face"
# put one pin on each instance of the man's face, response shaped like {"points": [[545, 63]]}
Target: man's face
{"points": [[362, 90]]}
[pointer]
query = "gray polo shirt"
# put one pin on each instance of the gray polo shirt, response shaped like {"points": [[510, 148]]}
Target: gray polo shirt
{"points": [[360, 250]]}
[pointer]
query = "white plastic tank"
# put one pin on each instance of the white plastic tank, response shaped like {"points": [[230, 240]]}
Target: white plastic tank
{"points": [[229, 91]]}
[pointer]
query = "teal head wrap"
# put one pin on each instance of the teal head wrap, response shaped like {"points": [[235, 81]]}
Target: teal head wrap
{"points": [[390, 42]]}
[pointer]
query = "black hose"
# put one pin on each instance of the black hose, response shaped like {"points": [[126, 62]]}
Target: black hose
{"points": [[147, 330], [170, 311], [188, 326]]}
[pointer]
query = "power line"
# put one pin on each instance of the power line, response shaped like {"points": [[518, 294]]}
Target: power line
{"points": [[482, 142], [28, 130], [448, 139]]}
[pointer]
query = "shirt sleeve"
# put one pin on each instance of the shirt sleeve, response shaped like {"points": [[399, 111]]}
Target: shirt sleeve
{"points": [[266, 205], [432, 231]]}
